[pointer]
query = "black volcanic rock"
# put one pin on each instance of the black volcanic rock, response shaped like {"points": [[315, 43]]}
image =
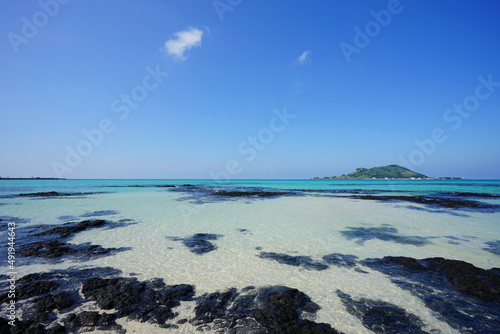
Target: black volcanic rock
{"points": [[382, 317], [244, 193], [144, 301], [199, 243], [58, 301], [51, 194], [53, 246], [384, 233], [341, 260], [460, 294], [275, 309], [67, 229], [465, 277], [90, 320], [297, 261], [442, 201], [44, 297]]}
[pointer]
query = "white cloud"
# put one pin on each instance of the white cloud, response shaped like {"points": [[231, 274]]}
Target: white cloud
{"points": [[183, 41], [304, 57]]}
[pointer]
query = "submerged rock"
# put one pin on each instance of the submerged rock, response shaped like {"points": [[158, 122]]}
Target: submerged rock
{"points": [[245, 193], [382, 317], [54, 245], [493, 247], [51, 194], [297, 261], [341, 260], [68, 229], [443, 201], [199, 243], [384, 233], [58, 249], [461, 294], [99, 213]]}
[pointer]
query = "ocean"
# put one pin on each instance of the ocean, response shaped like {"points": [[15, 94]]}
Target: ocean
{"points": [[346, 247]]}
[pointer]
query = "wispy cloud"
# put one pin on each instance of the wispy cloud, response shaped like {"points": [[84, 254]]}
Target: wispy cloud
{"points": [[304, 57], [183, 41]]}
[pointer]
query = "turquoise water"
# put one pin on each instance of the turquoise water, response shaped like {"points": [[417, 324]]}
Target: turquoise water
{"points": [[314, 219], [422, 186]]}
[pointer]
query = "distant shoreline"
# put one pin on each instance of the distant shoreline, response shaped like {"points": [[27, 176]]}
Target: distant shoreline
{"points": [[31, 178]]}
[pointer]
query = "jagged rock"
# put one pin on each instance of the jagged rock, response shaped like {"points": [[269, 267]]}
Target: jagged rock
{"points": [[341, 260], [51, 194], [468, 278], [460, 294], [143, 301], [275, 309], [447, 202], [90, 320], [465, 277], [235, 193], [380, 316], [59, 301], [68, 229]]}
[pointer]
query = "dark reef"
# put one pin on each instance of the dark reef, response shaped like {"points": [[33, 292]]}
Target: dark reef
{"points": [[461, 294], [493, 247], [384, 233], [274, 309], [50, 194], [297, 261], [245, 193], [381, 317], [341, 260], [213, 194], [87, 299], [99, 213], [199, 243], [53, 242], [439, 201]]}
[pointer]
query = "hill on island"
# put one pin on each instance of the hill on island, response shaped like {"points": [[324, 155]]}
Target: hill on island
{"points": [[384, 172]]}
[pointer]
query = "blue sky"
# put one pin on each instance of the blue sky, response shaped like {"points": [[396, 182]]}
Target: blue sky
{"points": [[248, 89]]}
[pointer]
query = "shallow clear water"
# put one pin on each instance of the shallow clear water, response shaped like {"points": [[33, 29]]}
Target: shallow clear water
{"points": [[317, 220]]}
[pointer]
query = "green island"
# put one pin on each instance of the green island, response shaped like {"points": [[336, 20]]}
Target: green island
{"points": [[389, 172]]}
